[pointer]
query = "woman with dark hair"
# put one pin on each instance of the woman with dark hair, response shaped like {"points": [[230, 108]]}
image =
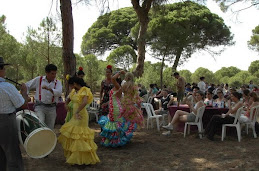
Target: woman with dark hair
{"points": [[106, 86], [228, 118], [116, 131], [80, 73], [76, 138]]}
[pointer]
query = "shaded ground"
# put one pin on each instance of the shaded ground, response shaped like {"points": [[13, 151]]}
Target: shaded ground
{"points": [[149, 150]]}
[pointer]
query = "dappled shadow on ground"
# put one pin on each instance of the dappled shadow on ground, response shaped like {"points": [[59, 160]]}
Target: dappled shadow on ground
{"points": [[149, 150]]}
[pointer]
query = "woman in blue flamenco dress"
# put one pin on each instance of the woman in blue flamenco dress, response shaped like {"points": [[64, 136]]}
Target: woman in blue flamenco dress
{"points": [[116, 131]]}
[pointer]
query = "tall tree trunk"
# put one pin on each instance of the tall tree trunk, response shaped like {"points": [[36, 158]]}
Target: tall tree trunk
{"points": [[161, 72], [69, 58], [177, 58], [142, 13]]}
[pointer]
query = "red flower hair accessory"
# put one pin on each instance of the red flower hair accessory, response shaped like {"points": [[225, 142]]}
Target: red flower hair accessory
{"points": [[80, 68], [109, 67]]}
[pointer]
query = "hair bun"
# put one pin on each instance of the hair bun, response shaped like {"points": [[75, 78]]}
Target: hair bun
{"points": [[109, 67], [80, 68]]}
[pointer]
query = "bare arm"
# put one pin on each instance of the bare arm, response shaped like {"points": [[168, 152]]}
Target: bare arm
{"points": [[233, 110]]}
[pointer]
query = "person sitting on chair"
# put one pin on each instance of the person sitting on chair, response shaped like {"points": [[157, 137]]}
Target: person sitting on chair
{"points": [[183, 116], [218, 120]]}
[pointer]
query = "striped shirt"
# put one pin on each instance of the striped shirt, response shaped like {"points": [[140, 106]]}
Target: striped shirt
{"points": [[46, 95], [10, 98]]}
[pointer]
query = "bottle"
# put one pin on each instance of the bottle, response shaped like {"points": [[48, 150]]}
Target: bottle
{"points": [[216, 105], [222, 104]]}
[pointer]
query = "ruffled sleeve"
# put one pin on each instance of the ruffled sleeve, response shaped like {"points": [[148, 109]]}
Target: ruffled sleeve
{"points": [[86, 92]]}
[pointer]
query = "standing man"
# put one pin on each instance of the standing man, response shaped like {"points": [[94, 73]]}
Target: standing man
{"points": [[180, 84], [202, 84], [48, 90], [10, 100]]}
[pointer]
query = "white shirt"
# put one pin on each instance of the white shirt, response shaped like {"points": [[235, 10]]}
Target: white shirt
{"points": [[10, 98], [46, 95], [202, 86]]}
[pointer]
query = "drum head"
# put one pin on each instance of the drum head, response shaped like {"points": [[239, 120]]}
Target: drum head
{"points": [[40, 142]]}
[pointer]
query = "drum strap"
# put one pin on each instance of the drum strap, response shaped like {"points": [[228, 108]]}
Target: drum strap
{"points": [[41, 88]]}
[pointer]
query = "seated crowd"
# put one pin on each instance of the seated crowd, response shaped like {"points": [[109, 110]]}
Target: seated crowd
{"points": [[220, 96]]}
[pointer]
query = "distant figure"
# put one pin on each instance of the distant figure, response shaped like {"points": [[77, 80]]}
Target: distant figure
{"points": [[180, 84], [202, 84]]}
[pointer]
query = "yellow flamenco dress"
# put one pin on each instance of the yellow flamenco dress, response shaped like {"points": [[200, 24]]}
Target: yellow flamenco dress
{"points": [[76, 138]]}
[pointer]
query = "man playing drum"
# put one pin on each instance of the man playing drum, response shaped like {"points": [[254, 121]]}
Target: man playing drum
{"points": [[10, 100], [48, 90]]}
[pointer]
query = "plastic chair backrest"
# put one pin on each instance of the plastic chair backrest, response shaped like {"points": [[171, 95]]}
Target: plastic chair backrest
{"points": [[149, 108], [145, 98], [237, 115], [95, 105], [149, 100], [200, 113]]}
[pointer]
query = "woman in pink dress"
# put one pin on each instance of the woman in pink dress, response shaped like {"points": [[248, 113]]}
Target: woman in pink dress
{"points": [[131, 101]]}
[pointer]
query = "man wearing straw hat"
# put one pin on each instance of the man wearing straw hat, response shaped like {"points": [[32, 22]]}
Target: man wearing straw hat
{"points": [[10, 100], [48, 90]]}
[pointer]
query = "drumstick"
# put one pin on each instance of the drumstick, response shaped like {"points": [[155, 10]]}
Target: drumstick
{"points": [[13, 81]]}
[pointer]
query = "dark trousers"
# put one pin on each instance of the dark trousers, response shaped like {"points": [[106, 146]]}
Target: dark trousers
{"points": [[10, 154], [216, 122]]}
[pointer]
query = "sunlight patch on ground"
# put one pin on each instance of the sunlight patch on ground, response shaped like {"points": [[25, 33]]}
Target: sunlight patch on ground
{"points": [[205, 163]]}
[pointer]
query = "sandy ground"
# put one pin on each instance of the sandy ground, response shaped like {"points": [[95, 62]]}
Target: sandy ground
{"points": [[149, 150]]}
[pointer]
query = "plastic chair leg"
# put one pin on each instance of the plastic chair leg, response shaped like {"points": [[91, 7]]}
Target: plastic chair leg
{"points": [[238, 133], [96, 117], [185, 127], [157, 124], [199, 129], [223, 133], [147, 123], [253, 128]]}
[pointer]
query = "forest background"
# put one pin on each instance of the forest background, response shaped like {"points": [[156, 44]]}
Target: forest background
{"points": [[42, 45]]}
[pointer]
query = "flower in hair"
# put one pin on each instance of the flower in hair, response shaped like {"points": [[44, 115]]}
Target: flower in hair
{"points": [[67, 77], [109, 67], [80, 68]]}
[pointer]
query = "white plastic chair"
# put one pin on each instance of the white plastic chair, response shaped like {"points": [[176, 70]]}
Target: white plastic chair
{"points": [[149, 100], [151, 115], [236, 124], [197, 122], [254, 112], [94, 109]]}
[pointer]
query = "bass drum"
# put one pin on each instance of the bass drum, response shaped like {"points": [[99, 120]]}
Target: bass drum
{"points": [[37, 139]]}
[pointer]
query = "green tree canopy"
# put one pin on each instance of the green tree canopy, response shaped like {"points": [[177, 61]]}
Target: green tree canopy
{"points": [[180, 29], [122, 57], [254, 67], [226, 71], [110, 31], [253, 43], [203, 72]]}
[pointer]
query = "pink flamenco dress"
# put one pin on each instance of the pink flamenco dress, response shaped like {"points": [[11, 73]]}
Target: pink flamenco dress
{"points": [[116, 131], [131, 103], [76, 138]]}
